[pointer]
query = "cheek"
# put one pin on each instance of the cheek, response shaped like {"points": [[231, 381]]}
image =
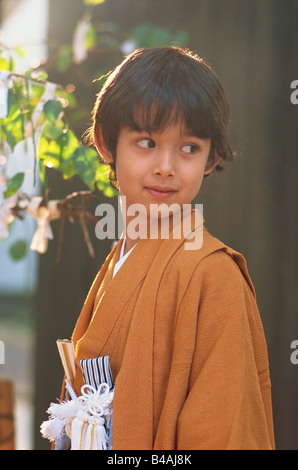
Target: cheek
{"points": [[194, 183], [194, 177], [127, 178]]}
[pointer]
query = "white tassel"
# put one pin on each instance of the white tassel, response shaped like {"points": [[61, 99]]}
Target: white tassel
{"points": [[52, 429], [86, 420], [88, 433], [100, 437], [88, 441], [61, 415], [78, 431], [65, 410]]}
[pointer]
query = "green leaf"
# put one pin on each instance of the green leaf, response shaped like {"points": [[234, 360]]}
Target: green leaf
{"points": [[36, 91], [11, 64], [57, 153], [52, 109], [4, 64], [13, 124], [43, 75], [85, 162], [69, 144], [18, 250], [14, 130], [21, 51], [69, 170], [53, 131], [42, 174], [49, 152], [13, 107], [90, 38], [103, 182], [14, 184], [108, 191], [102, 171], [64, 58], [93, 2]]}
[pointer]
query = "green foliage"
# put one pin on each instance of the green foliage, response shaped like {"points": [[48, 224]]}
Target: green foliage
{"points": [[147, 35], [52, 110], [90, 38], [64, 58], [49, 126], [13, 127], [93, 2], [4, 64], [18, 250], [14, 184], [58, 146]]}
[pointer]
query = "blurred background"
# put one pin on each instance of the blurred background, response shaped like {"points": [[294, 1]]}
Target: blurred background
{"points": [[251, 206]]}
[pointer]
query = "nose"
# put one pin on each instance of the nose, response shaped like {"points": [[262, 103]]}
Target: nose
{"points": [[165, 163]]}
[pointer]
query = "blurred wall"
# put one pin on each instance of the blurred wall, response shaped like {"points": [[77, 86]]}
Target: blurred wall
{"points": [[251, 206]]}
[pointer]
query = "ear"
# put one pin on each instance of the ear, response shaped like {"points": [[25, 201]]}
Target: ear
{"points": [[208, 168], [101, 146]]}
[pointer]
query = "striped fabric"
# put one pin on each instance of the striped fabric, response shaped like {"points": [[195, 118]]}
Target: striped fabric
{"points": [[97, 371]]}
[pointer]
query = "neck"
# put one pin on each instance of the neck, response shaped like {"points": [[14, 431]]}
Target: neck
{"points": [[155, 227], [129, 244]]}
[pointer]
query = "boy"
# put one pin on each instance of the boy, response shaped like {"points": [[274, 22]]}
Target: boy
{"points": [[180, 326]]}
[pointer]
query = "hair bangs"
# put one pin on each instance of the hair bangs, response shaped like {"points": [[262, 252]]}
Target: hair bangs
{"points": [[155, 108]]}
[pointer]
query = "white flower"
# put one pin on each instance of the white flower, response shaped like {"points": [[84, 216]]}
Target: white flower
{"points": [[6, 216], [43, 215]]}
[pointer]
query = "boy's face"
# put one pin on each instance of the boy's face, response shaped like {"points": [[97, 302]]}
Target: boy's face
{"points": [[163, 167]]}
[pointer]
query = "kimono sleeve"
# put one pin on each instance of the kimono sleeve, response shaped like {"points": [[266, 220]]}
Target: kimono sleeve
{"points": [[228, 405]]}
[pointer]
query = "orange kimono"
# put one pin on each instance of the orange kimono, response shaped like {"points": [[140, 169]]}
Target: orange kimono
{"points": [[186, 347]]}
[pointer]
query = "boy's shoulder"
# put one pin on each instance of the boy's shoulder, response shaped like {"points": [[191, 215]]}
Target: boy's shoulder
{"points": [[214, 259], [210, 245]]}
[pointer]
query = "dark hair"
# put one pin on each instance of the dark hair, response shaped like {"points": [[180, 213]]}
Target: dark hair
{"points": [[168, 85]]}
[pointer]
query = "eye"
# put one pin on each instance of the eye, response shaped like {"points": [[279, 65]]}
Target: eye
{"points": [[190, 148], [146, 143]]}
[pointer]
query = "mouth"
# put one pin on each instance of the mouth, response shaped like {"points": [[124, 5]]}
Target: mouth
{"points": [[160, 192]]}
